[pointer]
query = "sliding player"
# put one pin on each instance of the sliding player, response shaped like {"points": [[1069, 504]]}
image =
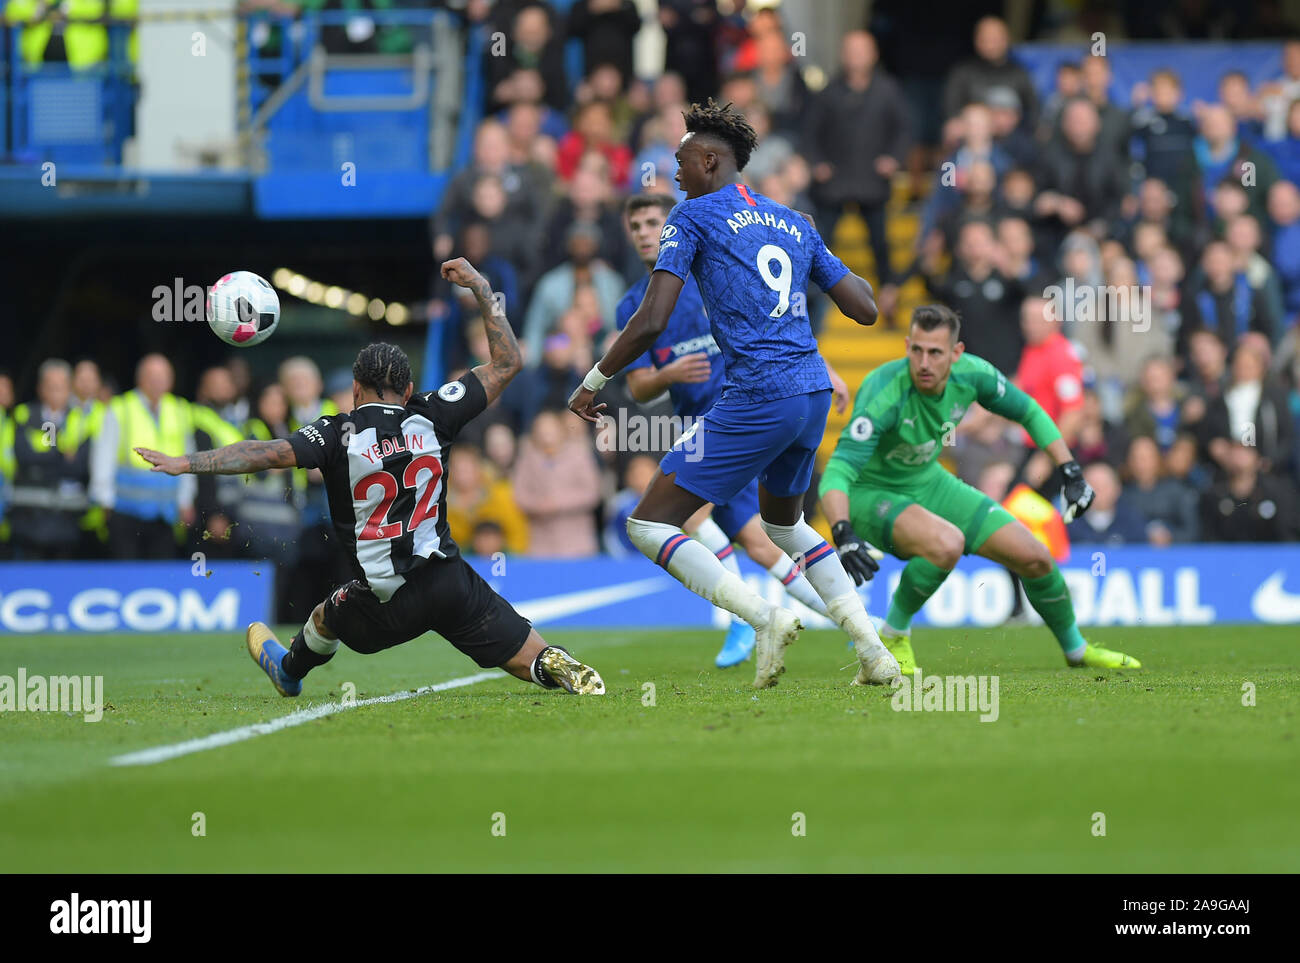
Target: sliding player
{"points": [[384, 465], [752, 259], [685, 361], [884, 483]]}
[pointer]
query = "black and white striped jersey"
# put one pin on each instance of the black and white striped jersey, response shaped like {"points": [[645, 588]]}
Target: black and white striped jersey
{"points": [[385, 475]]}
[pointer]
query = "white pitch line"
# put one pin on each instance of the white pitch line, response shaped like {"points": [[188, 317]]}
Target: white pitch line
{"points": [[148, 757]]}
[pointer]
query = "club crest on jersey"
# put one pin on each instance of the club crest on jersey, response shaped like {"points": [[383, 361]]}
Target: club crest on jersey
{"points": [[452, 391]]}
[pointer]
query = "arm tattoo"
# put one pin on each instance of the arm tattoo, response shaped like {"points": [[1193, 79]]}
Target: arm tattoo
{"points": [[504, 349], [243, 457]]}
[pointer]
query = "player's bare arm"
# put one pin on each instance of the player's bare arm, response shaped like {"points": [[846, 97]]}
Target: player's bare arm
{"points": [[646, 384], [241, 458], [645, 325], [853, 296], [506, 360]]}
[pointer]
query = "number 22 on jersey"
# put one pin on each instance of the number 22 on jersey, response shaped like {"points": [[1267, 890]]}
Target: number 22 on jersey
{"points": [[426, 506]]}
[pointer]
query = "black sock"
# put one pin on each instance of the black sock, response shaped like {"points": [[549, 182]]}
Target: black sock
{"points": [[300, 660], [540, 675]]}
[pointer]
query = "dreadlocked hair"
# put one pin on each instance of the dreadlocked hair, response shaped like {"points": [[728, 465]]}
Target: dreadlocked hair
{"points": [[382, 367], [727, 124]]}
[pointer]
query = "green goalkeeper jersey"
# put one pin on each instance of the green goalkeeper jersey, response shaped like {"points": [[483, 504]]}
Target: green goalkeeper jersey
{"points": [[896, 433]]}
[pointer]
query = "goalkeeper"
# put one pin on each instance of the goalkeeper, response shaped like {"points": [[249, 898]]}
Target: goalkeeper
{"points": [[884, 486]]}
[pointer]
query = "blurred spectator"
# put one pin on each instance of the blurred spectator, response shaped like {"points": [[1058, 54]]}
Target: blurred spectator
{"points": [[590, 200], [141, 505], [524, 186], [1253, 410], [321, 563], [605, 85], [1248, 505], [1222, 301], [606, 29], [1235, 94], [1285, 151], [1069, 85], [856, 137], [669, 91], [49, 441], [1082, 179], [1049, 370], [557, 485], [989, 304], [269, 513], [656, 166], [1154, 409], [488, 540], [554, 294], [779, 85], [476, 495], [1162, 136], [499, 448], [1169, 505], [1277, 96], [593, 130], [977, 201], [690, 26], [992, 66], [532, 46], [1018, 260], [1284, 213], [86, 384], [1207, 374], [1112, 519], [1099, 439], [1050, 373], [529, 125], [1244, 239], [1115, 126], [1221, 154], [215, 496], [451, 306], [1011, 136]]}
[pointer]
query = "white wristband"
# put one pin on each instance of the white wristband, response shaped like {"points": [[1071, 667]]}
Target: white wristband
{"points": [[595, 379]]}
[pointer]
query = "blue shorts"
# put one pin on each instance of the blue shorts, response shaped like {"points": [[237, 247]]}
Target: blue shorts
{"points": [[735, 514], [731, 445]]}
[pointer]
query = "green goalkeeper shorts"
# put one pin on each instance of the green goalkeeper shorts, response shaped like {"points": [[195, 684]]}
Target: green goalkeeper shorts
{"points": [[873, 510]]}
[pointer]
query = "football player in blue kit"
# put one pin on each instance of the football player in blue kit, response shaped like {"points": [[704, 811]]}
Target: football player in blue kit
{"points": [[686, 362], [752, 259]]}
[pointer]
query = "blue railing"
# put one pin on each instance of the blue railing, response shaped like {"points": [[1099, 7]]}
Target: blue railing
{"points": [[404, 121], [56, 113]]}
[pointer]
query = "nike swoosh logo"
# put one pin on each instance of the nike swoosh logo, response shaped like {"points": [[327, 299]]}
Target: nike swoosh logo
{"points": [[549, 608], [1273, 603]]}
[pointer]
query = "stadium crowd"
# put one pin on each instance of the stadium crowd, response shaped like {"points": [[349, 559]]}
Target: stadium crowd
{"points": [[1135, 265]]}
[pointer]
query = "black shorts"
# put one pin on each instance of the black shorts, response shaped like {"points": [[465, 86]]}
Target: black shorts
{"points": [[447, 597]]}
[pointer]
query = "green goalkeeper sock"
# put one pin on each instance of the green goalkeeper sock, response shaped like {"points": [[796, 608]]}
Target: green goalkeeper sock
{"points": [[1051, 599], [920, 580]]}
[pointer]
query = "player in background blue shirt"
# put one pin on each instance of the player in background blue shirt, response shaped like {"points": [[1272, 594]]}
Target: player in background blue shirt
{"points": [[752, 259], [687, 363]]}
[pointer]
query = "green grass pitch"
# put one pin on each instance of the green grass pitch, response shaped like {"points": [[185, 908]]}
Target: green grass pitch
{"points": [[710, 778]]}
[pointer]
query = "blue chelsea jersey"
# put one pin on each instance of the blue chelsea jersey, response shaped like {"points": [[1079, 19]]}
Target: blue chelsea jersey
{"points": [[687, 333], [753, 259]]}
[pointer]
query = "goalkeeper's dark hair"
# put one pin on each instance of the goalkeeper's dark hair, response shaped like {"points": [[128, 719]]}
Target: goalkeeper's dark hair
{"points": [[929, 317], [382, 367], [727, 124]]}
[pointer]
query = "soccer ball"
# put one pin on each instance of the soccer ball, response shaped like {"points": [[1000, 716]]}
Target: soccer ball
{"points": [[243, 309]]}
